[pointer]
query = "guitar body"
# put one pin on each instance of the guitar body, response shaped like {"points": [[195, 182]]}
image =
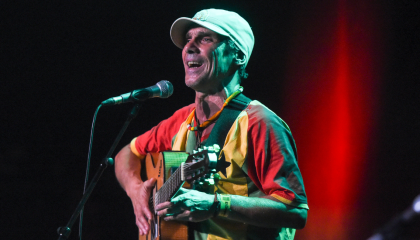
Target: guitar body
{"points": [[159, 166]]}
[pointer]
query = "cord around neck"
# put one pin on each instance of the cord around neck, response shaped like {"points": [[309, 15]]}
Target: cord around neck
{"points": [[214, 117]]}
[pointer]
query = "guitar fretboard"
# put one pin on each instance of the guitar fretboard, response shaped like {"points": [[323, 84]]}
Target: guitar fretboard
{"points": [[168, 189]]}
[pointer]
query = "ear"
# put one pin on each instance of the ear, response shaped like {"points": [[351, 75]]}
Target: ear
{"points": [[240, 58]]}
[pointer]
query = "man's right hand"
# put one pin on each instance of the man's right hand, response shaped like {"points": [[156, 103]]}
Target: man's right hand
{"points": [[127, 171], [140, 196]]}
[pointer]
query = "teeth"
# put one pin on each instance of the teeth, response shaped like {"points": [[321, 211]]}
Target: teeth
{"points": [[193, 63]]}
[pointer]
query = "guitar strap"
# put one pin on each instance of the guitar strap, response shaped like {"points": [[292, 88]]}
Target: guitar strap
{"points": [[225, 122]]}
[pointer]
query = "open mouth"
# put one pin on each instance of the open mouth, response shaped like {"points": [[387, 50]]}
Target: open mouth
{"points": [[194, 64]]}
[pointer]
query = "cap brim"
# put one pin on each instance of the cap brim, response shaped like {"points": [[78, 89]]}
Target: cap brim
{"points": [[181, 26]]}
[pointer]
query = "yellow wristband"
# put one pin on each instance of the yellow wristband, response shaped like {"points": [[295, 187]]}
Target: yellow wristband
{"points": [[224, 205]]}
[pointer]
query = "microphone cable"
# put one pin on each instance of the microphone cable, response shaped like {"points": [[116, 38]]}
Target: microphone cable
{"points": [[88, 167]]}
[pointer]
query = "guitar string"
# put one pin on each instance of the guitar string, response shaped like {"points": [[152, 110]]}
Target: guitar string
{"points": [[175, 180], [168, 189]]}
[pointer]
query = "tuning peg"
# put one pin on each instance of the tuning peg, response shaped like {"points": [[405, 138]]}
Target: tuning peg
{"points": [[215, 148], [210, 181], [195, 151]]}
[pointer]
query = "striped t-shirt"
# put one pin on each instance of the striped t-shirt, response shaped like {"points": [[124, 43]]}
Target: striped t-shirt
{"points": [[263, 158]]}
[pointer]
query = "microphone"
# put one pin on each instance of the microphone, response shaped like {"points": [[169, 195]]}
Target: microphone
{"points": [[162, 89]]}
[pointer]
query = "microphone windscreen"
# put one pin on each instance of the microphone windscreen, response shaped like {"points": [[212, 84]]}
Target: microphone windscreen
{"points": [[166, 88]]}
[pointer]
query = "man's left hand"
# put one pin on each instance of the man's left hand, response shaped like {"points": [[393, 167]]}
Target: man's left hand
{"points": [[190, 205]]}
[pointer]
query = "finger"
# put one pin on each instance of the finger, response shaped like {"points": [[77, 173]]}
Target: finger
{"points": [[168, 212], [146, 211], [142, 231], [163, 205], [168, 209], [143, 224], [162, 213], [150, 183], [183, 216], [141, 221], [147, 188]]}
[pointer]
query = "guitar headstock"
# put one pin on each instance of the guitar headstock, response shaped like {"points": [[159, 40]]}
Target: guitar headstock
{"points": [[199, 162]]}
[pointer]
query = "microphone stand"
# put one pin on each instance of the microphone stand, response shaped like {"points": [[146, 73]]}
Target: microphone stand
{"points": [[65, 231], [394, 228]]}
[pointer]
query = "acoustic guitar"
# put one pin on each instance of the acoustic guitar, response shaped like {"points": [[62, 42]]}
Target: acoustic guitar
{"points": [[172, 169]]}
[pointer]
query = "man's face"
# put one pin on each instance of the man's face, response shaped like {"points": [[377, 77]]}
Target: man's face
{"points": [[208, 60]]}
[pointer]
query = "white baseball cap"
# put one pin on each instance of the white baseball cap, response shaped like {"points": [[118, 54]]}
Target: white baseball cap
{"points": [[223, 22]]}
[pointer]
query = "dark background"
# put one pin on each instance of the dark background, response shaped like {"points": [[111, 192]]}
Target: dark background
{"points": [[60, 59]]}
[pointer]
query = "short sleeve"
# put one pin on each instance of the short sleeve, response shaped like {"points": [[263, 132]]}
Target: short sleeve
{"points": [[272, 157], [159, 138]]}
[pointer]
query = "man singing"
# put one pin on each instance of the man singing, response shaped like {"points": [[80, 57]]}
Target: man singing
{"points": [[262, 188]]}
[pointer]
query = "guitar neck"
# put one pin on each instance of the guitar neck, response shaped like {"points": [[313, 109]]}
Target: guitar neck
{"points": [[193, 168], [169, 188]]}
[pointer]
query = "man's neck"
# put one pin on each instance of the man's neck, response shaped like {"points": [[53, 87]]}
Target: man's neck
{"points": [[209, 104]]}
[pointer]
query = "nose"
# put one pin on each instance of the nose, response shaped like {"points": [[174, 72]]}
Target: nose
{"points": [[191, 47]]}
